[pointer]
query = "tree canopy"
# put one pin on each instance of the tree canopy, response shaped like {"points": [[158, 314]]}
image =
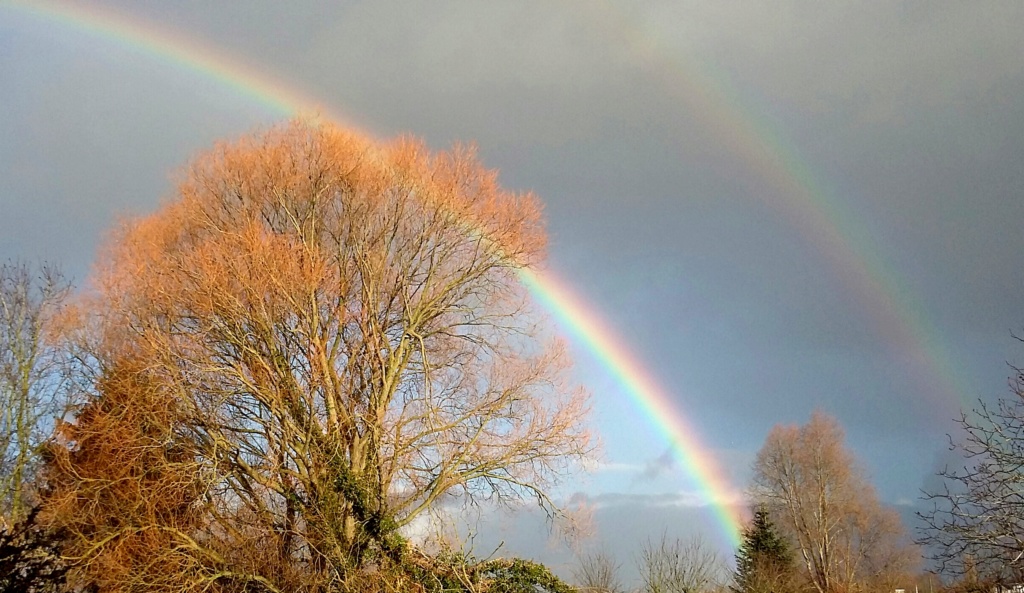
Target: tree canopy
{"points": [[316, 340], [31, 377], [845, 538]]}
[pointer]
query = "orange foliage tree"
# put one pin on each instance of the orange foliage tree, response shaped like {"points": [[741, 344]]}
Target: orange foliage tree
{"points": [[846, 539], [318, 340]]}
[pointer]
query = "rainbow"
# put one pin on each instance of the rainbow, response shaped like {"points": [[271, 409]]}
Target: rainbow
{"points": [[283, 99], [835, 232], [813, 210], [184, 54], [585, 325]]}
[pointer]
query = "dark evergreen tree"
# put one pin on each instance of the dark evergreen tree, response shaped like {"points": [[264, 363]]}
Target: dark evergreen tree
{"points": [[30, 559], [764, 562]]}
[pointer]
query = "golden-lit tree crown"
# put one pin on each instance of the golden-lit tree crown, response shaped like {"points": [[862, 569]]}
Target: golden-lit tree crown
{"points": [[341, 344]]}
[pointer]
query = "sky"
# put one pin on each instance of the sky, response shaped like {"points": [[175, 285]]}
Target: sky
{"points": [[775, 207]]}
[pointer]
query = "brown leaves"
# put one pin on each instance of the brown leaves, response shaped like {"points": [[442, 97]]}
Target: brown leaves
{"points": [[820, 498], [313, 344], [123, 485]]}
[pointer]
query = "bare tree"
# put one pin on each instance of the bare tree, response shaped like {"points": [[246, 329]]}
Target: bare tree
{"points": [[975, 526], [333, 339], [678, 566], [30, 377], [845, 538], [597, 572]]}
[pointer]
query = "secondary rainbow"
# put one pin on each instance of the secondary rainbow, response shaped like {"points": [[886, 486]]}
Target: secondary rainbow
{"points": [[575, 317], [809, 204]]}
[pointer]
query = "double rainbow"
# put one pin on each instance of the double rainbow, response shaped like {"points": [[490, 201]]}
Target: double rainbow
{"points": [[814, 211]]}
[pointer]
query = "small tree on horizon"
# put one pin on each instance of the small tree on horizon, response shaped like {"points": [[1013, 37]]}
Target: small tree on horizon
{"points": [[764, 561], [680, 566]]}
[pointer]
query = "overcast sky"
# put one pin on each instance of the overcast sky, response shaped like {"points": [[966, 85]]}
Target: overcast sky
{"points": [[777, 206]]}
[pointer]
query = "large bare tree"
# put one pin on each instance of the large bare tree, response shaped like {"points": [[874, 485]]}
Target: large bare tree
{"points": [[327, 339], [844, 537]]}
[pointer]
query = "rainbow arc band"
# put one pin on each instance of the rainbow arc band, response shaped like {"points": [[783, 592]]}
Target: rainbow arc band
{"points": [[799, 195], [280, 98], [724, 500]]}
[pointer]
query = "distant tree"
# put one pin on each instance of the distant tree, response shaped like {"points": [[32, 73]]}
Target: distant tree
{"points": [[597, 572], [975, 526], [317, 342], [764, 562], [844, 537], [678, 566], [30, 377]]}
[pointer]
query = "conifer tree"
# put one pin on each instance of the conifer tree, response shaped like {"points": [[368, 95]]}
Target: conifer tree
{"points": [[764, 563]]}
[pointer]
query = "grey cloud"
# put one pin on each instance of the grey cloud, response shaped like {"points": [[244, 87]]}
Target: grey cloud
{"points": [[681, 499], [659, 466]]}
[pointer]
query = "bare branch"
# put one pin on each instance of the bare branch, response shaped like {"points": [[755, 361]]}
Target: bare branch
{"points": [[975, 525]]}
